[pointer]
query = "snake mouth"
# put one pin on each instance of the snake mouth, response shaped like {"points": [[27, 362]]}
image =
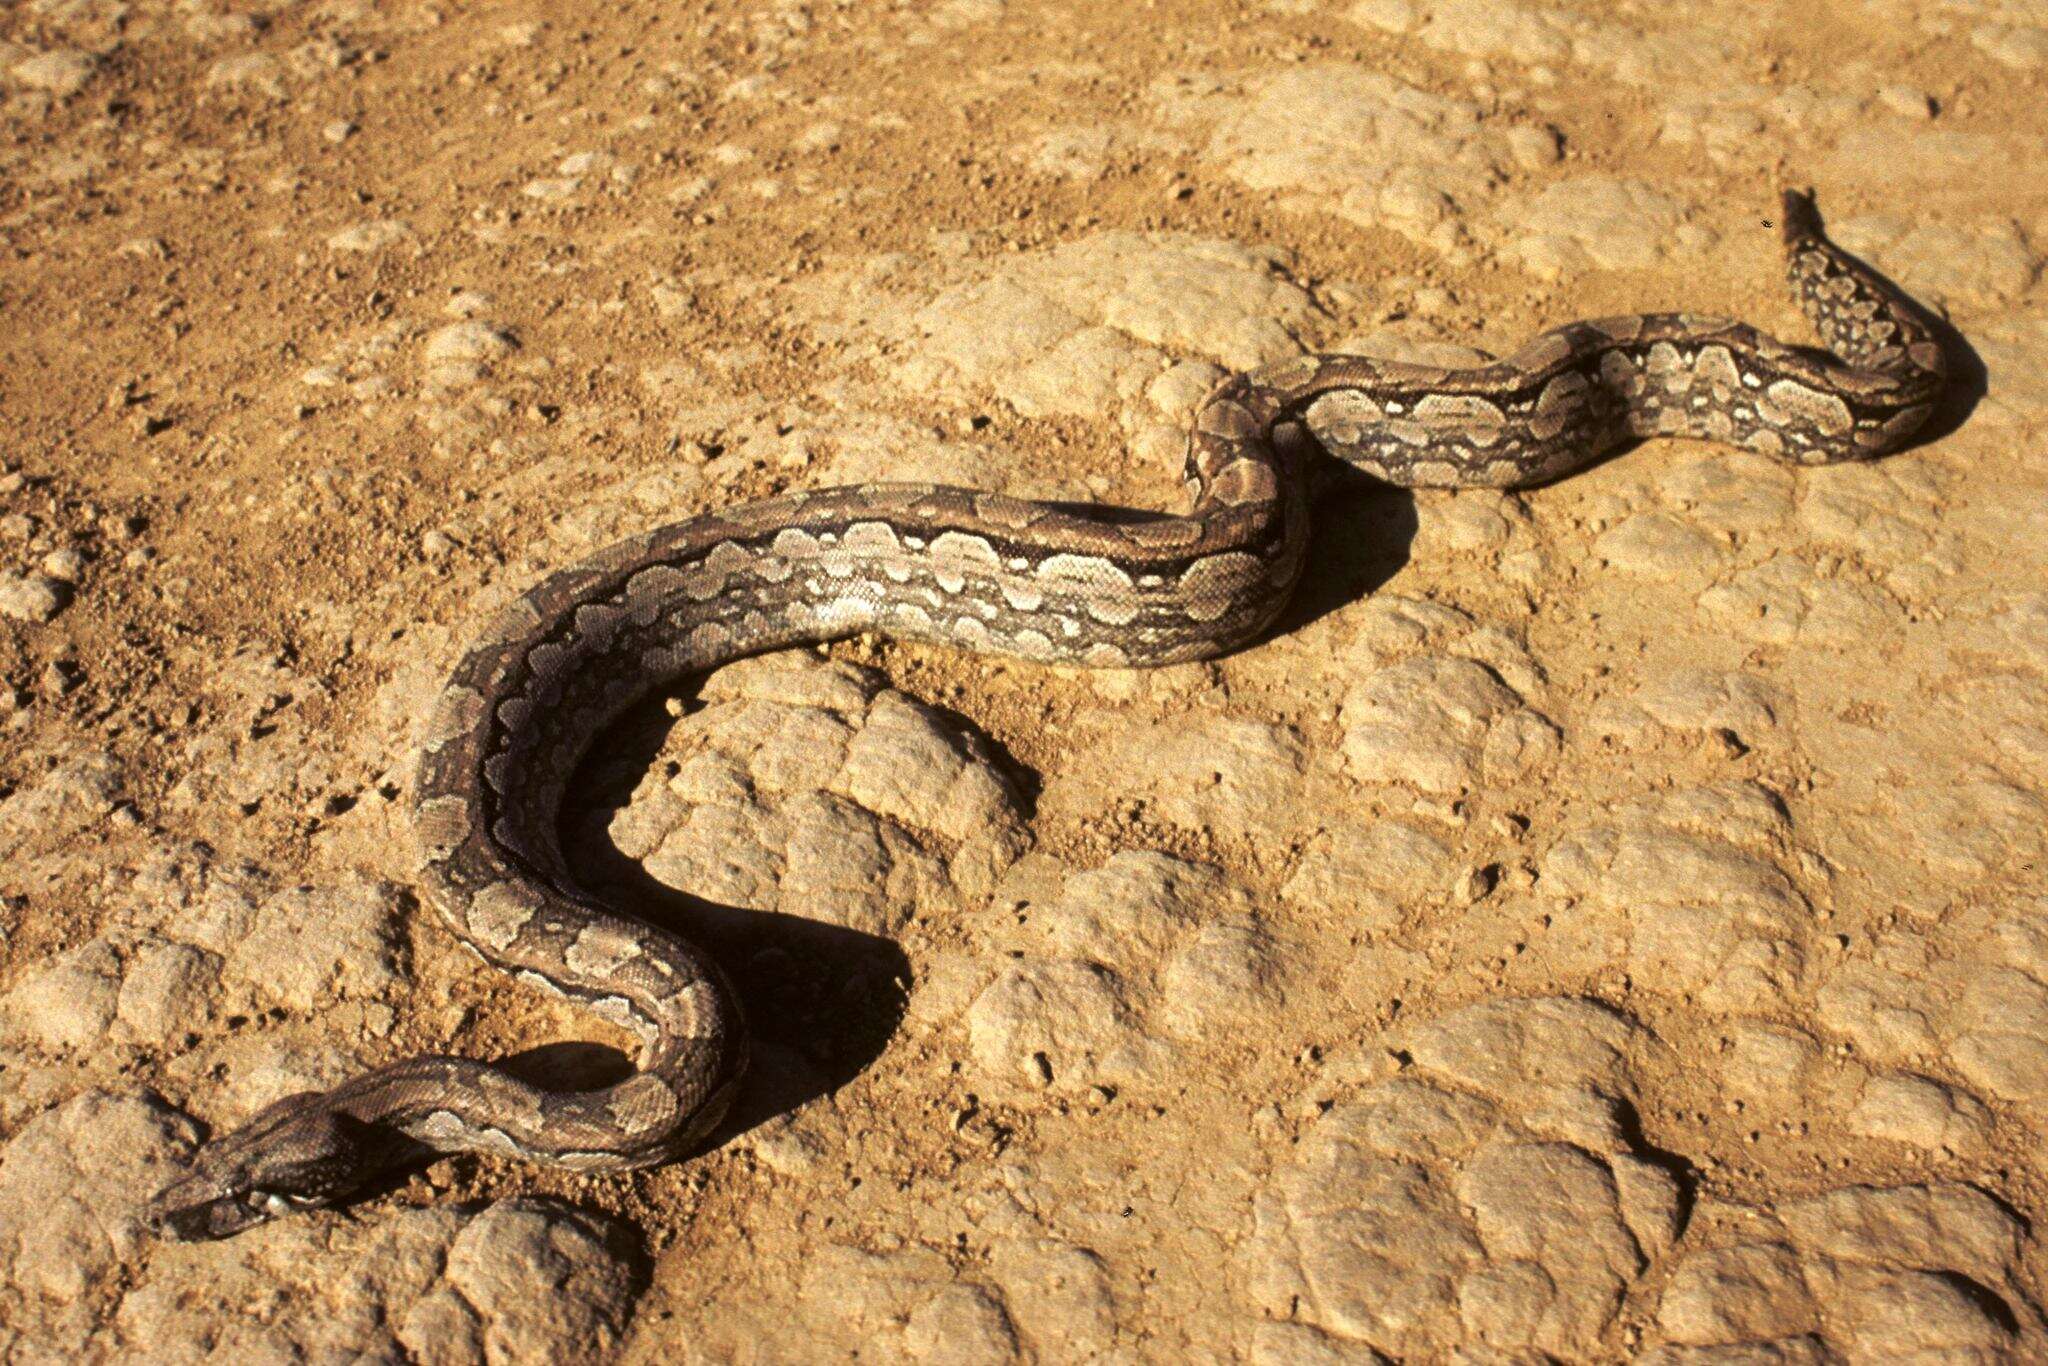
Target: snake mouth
{"points": [[205, 1221], [180, 1215]]}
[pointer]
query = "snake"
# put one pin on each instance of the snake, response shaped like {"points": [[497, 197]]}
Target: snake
{"points": [[1063, 583]]}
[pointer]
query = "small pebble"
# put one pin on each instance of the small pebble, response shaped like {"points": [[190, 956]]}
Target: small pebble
{"points": [[454, 374], [33, 598], [338, 131], [371, 236], [671, 302], [59, 677], [551, 187], [466, 303], [65, 563], [1908, 101], [61, 72], [473, 340]]}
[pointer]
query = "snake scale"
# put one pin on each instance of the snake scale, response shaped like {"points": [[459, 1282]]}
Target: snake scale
{"points": [[1089, 585]]}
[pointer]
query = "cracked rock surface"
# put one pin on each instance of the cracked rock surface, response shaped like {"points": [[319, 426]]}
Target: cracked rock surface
{"points": [[1600, 922]]}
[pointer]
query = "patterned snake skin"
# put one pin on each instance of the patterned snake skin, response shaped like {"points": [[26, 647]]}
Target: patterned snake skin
{"points": [[1062, 583]]}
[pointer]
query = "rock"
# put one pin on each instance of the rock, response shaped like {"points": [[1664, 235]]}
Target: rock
{"points": [[1876, 1273], [1923, 1113], [72, 797], [375, 236], [1486, 30], [1696, 699], [167, 988], [2017, 45], [69, 1002], [520, 1280], [1685, 892], [474, 340], [35, 598], [1425, 1212], [1981, 263], [72, 1185], [207, 951], [304, 946], [1085, 327], [61, 71], [1601, 224], [910, 1302], [1771, 1061], [809, 786], [1135, 908], [65, 565], [1058, 1297], [1228, 774], [1123, 963], [1969, 829], [1660, 546], [1370, 148], [552, 187], [258, 73], [1435, 723], [1973, 993], [540, 1280], [1907, 101], [1055, 1024], [1376, 874]]}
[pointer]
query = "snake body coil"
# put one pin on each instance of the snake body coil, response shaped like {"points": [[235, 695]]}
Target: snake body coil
{"points": [[1063, 584]]}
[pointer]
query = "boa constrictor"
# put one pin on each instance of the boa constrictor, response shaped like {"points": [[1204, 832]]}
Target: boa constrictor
{"points": [[1091, 585]]}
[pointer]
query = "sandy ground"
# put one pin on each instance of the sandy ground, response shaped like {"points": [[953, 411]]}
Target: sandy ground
{"points": [[1603, 922]]}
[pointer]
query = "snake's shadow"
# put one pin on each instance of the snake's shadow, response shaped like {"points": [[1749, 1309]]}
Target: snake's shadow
{"points": [[1363, 531], [821, 1000], [1969, 379]]}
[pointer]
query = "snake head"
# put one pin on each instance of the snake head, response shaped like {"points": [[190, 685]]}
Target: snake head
{"points": [[298, 1153]]}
